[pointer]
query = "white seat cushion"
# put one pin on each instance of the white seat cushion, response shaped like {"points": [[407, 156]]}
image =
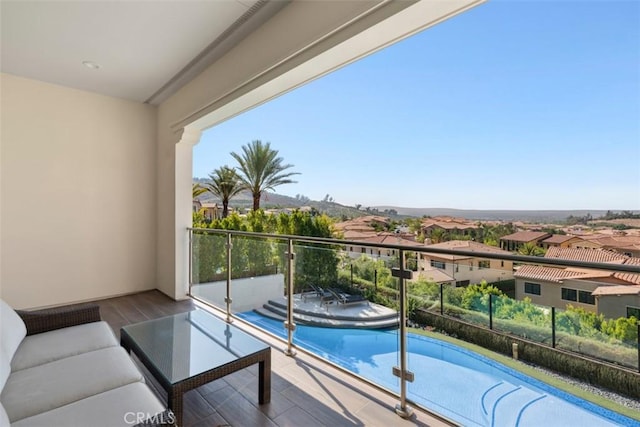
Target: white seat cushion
{"points": [[113, 408], [5, 367], [45, 387], [4, 419], [55, 345], [12, 329]]}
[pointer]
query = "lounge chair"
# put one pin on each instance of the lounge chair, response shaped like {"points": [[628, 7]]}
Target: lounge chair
{"points": [[325, 296], [344, 298], [309, 291]]}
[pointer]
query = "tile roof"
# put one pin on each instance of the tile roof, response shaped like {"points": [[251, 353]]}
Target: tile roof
{"points": [[586, 255], [557, 275], [617, 290], [357, 235], [451, 226], [449, 223], [468, 245], [436, 275], [549, 274], [619, 242], [354, 227], [526, 236], [628, 277], [390, 239], [559, 238]]}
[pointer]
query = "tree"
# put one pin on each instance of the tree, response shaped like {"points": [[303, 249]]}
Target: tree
{"points": [[261, 169], [197, 190], [225, 184], [530, 248], [438, 235]]}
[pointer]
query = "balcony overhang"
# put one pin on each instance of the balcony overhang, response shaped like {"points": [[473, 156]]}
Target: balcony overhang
{"points": [[382, 25]]}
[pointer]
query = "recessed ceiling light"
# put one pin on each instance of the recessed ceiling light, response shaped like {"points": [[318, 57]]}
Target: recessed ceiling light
{"points": [[91, 64]]}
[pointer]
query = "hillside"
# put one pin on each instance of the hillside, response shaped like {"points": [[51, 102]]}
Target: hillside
{"points": [[336, 210], [277, 201]]}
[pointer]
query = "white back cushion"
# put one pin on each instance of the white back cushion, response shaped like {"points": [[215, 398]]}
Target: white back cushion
{"points": [[12, 330]]}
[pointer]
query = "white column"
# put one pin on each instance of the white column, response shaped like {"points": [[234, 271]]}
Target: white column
{"points": [[183, 207]]}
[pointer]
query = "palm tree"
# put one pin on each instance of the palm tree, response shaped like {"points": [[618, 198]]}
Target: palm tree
{"points": [[531, 249], [225, 184], [197, 190], [438, 235], [261, 169]]}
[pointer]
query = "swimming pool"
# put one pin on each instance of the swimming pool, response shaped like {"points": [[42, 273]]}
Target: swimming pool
{"points": [[459, 384]]}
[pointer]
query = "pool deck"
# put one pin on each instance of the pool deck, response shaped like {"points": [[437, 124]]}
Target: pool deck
{"points": [[305, 391], [311, 310]]}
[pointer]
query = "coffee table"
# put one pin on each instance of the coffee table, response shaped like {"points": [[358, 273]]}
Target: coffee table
{"points": [[190, 349]]}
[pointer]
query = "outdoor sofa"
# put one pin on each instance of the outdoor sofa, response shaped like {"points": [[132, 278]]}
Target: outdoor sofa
{"points": [[64, 367]]}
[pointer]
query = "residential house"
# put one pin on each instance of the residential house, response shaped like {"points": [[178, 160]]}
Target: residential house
{"points": [[515, 241], [628, 245], [212, 211], [382, 238], [361, 227], [467, 269], [618, 301], [560, 241], [601, 291], [452, 226]]}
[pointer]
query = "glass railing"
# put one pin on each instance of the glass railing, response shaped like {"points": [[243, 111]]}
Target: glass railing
{"points": [[522, 318], [209, 267], [353, 307], [610, 340]]}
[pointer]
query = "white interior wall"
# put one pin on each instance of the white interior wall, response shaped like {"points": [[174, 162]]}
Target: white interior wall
{"points": [[78, 194]]}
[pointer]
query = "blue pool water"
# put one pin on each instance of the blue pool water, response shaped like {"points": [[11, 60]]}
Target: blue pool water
{"points": [[459, 384]]}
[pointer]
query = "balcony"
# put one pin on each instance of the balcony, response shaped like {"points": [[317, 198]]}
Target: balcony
{"points": [[96, 181]]}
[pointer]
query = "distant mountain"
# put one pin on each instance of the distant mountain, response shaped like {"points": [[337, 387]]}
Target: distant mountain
{"points": [[336, 210]]}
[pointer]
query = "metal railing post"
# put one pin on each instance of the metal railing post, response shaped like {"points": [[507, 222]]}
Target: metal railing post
{"points": [[227, 298], [442, 299], [289, 324], [490, 311], [190, 260], [638, 344], [553, 327], [351, 275], [402, 409]]}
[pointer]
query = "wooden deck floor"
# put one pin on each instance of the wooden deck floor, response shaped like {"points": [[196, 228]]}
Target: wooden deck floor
{"points": [[305, 391]]}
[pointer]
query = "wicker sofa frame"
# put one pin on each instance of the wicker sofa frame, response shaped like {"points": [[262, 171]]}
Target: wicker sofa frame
{"points": [[50, 319]]}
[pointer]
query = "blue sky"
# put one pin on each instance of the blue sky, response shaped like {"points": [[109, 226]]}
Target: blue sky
{"points": [[511, 105]]}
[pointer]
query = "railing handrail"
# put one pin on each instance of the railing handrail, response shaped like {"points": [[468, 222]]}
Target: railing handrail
{"points": [[625, 268]]}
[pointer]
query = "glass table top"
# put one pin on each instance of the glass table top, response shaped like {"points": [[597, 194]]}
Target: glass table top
{"points": [[188, 344]]}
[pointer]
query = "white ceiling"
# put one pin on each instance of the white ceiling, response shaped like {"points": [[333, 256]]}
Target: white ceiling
{"points": [[146, 49]]}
